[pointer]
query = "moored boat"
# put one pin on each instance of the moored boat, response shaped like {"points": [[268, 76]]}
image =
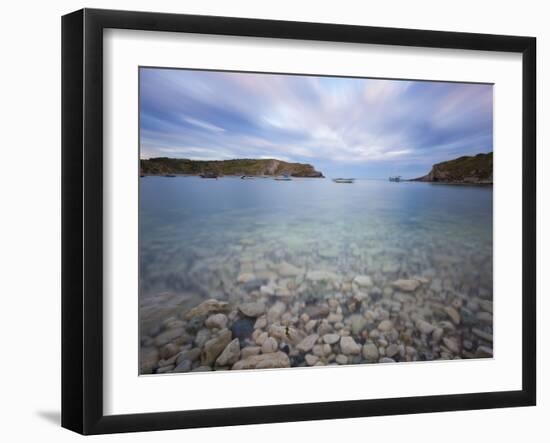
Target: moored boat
{"points": [[343, 180], [396, 178], [209, 175], [284, 178]]}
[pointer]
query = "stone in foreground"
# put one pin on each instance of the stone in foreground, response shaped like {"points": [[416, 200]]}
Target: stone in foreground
{"points": [[264, 361]]}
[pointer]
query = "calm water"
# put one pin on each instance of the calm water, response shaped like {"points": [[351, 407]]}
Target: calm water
{"points": [[199, 236]]}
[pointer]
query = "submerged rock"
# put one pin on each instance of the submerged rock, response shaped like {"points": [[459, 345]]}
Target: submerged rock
{"points": [[230, 354], [322, 276], [331, 338], [358, 323], [214, 347], [406, 285], [149, 358], [287, 270], [168, 336], [207, 307], [216, 321], [349, 346], [242, 329], [307, 343], [252, 309], [453, 314], [363, 280], [370, 352], [317, 311]]}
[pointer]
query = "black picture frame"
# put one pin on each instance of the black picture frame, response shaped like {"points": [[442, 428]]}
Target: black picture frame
{"points": [[82, 220]]}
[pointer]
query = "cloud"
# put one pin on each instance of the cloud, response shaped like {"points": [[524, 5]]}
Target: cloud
{"points": [[366, 125], [203, 125]]}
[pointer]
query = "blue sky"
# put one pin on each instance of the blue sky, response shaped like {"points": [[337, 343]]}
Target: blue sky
{"points": [[349, 127]]}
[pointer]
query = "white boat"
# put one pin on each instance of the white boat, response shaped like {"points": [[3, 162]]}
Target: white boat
{"points": [[343, 180]]}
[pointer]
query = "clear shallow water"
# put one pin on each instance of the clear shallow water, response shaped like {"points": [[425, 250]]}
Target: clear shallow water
{"points": [[223, 239]]}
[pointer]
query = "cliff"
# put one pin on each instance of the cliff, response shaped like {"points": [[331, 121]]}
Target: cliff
{"points": [[476, 169], [256, 167]]}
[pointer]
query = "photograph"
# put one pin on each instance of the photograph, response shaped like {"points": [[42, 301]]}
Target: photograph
{"points": [[297, 220]]}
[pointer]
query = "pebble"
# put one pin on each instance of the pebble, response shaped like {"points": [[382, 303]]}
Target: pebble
{"points": [[169, 350], [165, 369], [322, 350], [385, 325], [207, 307], [425, 327], [275, 311], [370, 352], [214, 347], [191, 355], [322, 276], [363, 280], [349, 346], [149, 358], [451, 345], [307, 343], [483, 335], [245, 277], [183, 366], [261, 322], [242, 329], [287, 270], [335, 318], [168, 336], [263, 361], [453, 314], [406, 285], [341, 359], [437, 334], [484, 352], [486, 305], [392, 350], [250, 350], [230, 354], [252, 309], [358, 323], [317, 311], [331, 338], [311, 359], [485, 317], [216, 321], [269, 345], [262, 338]]}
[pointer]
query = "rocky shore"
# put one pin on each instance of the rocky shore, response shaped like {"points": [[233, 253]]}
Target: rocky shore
{"points": [[271, 313], [476, 169], [235, 167]]}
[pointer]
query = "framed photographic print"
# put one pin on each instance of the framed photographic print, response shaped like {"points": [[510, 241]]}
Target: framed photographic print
{"points": [[269, 221]]}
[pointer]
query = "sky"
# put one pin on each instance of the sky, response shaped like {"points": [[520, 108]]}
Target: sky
{"points": [[344, 127]]}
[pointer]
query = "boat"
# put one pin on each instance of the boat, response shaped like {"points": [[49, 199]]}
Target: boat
{"points": [[396, 178], [247, 177], [169, 175], [284, 178], [343, 180], [209, 175]]}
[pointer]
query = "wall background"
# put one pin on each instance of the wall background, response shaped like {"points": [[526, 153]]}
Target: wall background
{"points": [[30, 217]]}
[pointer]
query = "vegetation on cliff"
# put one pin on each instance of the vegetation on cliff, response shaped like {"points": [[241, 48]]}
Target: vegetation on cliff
{"points": [[476, 169], [256, 167]]}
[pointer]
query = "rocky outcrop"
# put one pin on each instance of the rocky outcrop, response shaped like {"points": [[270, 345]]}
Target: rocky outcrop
{"points": [[476, 169]]}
